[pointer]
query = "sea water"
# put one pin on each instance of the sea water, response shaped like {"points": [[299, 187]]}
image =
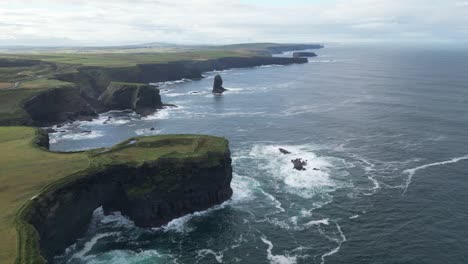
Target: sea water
{"points": [[384, 127]]}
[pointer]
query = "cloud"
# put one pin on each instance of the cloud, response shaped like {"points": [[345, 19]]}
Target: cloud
{"points": [[214, 22]]}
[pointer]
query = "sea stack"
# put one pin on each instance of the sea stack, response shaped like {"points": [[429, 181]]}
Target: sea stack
{"points": [[218, 85]]}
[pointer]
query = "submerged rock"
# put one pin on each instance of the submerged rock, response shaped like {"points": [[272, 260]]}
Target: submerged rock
{"points": [[299, 164], [107, 120], [218, 85], [284, 151]]}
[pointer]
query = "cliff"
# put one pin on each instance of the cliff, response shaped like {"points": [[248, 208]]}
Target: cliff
{"points": [[57, 106], [141, 98], [152, 180], [100, 89], [93, 81], [304, 54]]}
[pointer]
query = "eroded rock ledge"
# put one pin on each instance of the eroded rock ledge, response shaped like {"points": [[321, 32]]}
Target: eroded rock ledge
{"points": [[151, 180]]}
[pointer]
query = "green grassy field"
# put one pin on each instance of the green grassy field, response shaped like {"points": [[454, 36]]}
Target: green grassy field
{"points": [[26, 169], [125, 59], [45, 83]]}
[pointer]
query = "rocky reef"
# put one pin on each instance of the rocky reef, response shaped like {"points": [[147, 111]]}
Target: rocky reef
{"points": [[151, 180], [304, 54]]}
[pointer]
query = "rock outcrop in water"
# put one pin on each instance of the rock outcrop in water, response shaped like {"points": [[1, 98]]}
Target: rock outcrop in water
{"points": [[284, 151], [218, 85], [165, 177], [299, 164]]}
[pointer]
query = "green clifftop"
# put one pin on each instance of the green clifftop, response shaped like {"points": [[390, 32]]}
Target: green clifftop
{"points": [[151, 179]]}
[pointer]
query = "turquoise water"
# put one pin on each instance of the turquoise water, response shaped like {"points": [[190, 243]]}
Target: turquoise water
{"points": [[385, 126]]}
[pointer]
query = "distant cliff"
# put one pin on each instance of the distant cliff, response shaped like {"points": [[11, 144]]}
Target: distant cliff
{"points": [[292, 47], [304, 54], [100, 89], [165, 177]]}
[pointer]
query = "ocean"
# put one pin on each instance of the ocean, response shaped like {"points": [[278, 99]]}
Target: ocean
{"points": [[384, 131]]}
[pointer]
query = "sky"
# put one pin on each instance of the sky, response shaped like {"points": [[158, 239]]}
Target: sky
{"points": [[118, 22]]}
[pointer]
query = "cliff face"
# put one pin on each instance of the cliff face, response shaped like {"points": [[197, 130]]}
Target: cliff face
{"points": [[143, 99], [304, 54], [150, 192], [94, 81], [57, 106]]}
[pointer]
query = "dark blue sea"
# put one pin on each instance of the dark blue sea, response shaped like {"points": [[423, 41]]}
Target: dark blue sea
{"points": [[385, 127]]}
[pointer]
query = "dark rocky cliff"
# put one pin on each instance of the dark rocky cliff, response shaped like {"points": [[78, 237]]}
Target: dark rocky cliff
{"points": [[94, 81], [151, 193], [57, 106], [141, 98]]}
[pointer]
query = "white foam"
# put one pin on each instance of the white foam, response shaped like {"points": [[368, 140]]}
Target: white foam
{"points": [[170, 83], [159, 115], [354, 217], [56, 137], [174, 94], [88, 246], [204, 252], [412, 172], [271, 66], [147, 131], [338, 247], [127, 256], [318, 222], [304, 183], [277, 259], [274, 200], [180, 224], [116, 219], [243, 188]]}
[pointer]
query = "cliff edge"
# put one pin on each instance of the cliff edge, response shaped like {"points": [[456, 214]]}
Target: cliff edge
{"points": [[152, 180]]}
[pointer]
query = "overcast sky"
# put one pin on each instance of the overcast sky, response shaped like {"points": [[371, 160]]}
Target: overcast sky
{"points": [[103, 22]]}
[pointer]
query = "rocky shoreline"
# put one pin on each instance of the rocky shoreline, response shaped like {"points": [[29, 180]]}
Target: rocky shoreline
{"points": [[100, 90]]}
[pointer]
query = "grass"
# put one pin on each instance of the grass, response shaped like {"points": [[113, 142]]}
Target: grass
{"points": [[45, 83], [27, 170], [4, 85], [13, 74], [125, 59], [139, 150], [128, 83], [11, 101]]}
